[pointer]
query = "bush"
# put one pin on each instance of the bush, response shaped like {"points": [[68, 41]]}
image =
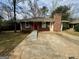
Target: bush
{"points": [[76, 27], [65, 26], [8, 25]]}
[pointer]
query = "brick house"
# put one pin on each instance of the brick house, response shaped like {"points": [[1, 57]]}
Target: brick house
{"points": [[43, 24]]}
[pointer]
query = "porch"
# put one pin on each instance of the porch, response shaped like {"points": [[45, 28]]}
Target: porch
{"points": [[40, 26]]}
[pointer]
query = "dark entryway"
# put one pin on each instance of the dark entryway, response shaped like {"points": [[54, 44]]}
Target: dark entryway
{"points": [[36, 26]]}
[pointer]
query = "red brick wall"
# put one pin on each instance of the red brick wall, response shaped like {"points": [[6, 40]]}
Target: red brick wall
{"points": [[57, 22]]}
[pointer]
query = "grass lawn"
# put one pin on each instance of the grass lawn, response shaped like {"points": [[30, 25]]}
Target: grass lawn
{"points": [[9, 40], [72, 32]]}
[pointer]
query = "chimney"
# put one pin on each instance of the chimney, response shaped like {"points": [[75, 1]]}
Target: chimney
{"points": [[57, 22]]}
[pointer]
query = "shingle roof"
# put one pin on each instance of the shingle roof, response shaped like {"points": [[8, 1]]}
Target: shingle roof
{"points": [[65, 21], [38, 19], [74, 22]]}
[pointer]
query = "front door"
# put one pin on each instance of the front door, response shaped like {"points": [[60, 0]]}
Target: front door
{"points": [[35, 26]]}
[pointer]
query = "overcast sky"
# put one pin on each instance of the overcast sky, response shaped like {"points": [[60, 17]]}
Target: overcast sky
{"points": [[48, 3]]}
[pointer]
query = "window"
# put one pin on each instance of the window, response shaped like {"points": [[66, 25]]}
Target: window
{"points": [[27, 25], [44, 25]]}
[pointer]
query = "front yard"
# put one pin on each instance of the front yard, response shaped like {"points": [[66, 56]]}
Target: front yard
{"points": [[9, 40]]}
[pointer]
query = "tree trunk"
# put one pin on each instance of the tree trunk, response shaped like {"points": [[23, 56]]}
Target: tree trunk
{"points": [[14, 3]]}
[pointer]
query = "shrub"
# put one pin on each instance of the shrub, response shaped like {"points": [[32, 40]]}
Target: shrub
{"points": [[65, 26], [76, 27]]}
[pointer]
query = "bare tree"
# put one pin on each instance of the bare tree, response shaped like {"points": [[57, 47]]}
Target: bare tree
{"points": [[34, 8]]}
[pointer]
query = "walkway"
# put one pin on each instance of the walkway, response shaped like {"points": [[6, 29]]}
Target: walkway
{"points": [[48, 46]]}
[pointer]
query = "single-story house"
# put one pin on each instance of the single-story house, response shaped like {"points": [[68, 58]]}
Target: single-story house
{"points": [[74, 22], [43, 24], [74, 25]]}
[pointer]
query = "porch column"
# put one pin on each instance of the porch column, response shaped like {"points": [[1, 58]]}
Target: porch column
{"points": [[73, 27], [51, 27], [61, 26], [20, 26]]}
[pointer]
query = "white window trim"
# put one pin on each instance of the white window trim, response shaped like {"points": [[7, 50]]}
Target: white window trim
{"points": [[43, 24]]}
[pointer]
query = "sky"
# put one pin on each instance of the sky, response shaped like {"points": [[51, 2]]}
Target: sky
{"points": [[48, 3]]}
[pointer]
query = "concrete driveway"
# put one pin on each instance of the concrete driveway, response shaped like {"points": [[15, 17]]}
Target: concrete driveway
{"points": [[48, 46]]}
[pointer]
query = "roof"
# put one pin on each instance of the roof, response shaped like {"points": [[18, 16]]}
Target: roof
{"points": [[66, 21], [74, 22], [38, 19]]}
